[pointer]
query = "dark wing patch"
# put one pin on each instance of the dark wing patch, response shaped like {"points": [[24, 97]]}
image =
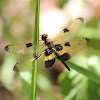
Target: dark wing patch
{"points": [[64, 55], [66, 30], [7, 48], [67, 44], [88, 40], [81, 19], [15, 68], [58, 47], [49, 63], [29, 45]]}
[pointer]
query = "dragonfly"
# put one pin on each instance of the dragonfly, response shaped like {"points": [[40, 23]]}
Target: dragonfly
{"points": [[63, 47]]}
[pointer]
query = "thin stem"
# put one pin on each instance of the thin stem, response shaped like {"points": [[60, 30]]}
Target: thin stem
{"points": [[35, 47]]}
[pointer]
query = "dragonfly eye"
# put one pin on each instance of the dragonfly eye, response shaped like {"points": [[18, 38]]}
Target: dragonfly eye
{"points": [[44, 36]]}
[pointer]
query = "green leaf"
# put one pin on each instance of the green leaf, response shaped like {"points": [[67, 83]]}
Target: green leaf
{"points": [[26, 83], [65, 83], [85, 72], [45, 86], [75, 86]]}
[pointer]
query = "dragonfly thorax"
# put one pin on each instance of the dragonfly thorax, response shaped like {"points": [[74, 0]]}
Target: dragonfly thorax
{"points": [[48, 42]]}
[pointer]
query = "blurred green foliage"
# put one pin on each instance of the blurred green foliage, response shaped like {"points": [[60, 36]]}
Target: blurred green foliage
{"points": [[61, 3]]}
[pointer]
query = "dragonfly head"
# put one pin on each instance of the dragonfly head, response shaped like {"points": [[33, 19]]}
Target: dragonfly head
{"points": [[44, 37]]}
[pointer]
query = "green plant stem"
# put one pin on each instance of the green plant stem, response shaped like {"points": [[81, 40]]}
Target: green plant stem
{"points": [[35, 48], [85, 72]]}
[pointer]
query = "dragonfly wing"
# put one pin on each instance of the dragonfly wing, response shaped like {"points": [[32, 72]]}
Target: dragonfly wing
{"points": [[23, 65], [26, 64], [24, 48], [44, 61], [73, 47], [69, 33]]}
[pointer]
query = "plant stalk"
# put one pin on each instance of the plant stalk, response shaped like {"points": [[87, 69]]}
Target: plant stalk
{"points": [[35, 48]]}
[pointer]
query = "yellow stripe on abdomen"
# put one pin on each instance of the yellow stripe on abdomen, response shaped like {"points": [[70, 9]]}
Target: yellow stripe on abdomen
{"points": [[50, 57]]}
